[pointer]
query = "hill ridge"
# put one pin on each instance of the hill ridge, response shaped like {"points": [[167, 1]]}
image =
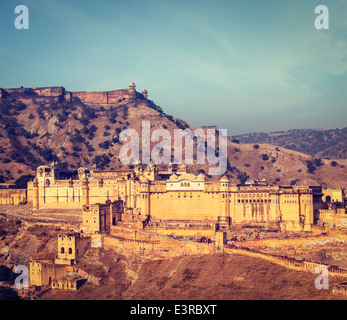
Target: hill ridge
{"points": [[38, 129]]}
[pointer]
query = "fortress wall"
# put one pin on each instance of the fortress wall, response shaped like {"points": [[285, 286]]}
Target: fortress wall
{"points": [[40, 274], [152, 246], [97, 97], [30, 192], [190, 206], [63, 196], [40, 91], [251, 212], [101, 194], [13, 196], [340, 234], [114, 95], [102, 97], [295, 242], [60, 197], [49, 91], [196, 232], [287, 262]]}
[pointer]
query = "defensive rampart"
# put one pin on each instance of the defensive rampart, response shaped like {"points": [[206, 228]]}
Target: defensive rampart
{"points": [[291, 263], [13, 196], [150, 245]]}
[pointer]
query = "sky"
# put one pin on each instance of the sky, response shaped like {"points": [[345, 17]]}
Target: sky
{"points": [[245, 66]]}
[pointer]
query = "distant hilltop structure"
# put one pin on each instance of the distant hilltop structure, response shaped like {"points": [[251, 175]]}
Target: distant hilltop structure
{"points": [[59, 93]]}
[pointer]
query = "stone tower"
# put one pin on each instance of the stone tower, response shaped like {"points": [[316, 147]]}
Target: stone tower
{"points": [[132, 91], [145, 93], [145, 195]]}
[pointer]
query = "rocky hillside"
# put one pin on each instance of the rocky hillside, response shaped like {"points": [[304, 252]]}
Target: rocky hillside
{"points": [[315, 142], [36, 130], [113, 276]]}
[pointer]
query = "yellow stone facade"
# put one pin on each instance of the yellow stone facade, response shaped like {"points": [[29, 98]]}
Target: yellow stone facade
{"points": [[176, 194], [98, 218], [42, 273], [13, 196], [71, 246]]}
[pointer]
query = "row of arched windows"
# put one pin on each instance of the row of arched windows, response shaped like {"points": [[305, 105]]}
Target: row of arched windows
{"points": [[185, 184], [62, 250]]}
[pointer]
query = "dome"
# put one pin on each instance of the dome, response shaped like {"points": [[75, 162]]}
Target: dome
{"points": [[132, 84]]}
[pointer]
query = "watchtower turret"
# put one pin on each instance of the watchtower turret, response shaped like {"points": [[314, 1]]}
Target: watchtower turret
{"points": [[132, 91]]}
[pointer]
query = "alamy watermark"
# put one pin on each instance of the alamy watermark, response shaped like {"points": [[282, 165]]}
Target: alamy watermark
{"points": [[22, 281], [22, 20], [322, 281], [161, 153], [322, 21]]}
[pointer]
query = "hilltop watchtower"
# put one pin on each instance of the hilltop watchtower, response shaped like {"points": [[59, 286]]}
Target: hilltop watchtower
{"points": [[145, 93], [132, 91]]}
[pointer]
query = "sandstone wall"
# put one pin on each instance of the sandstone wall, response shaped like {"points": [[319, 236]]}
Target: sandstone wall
{"points": [[152, 246], [13, 196]]}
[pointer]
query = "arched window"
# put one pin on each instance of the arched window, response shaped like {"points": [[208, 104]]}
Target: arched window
{"points": [[62, 250], [70, 251]]}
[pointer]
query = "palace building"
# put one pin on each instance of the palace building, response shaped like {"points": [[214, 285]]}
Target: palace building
{"points": [[174, 194]]}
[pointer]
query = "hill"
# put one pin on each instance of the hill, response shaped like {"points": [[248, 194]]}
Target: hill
{"points": [[39, 129], [315, 142]]}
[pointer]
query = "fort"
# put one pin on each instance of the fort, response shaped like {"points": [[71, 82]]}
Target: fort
{"points": [[151, 195], [94, 98], [165, 211], [160, 212]]}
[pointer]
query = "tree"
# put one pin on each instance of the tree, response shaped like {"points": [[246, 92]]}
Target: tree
{"points": [[318, 162], [293, 182], [265, 157], [310, 167], [29, 92], [105, 145], [48, 155], [243, 177], [333, 163], [22, 181], [101, 161]]}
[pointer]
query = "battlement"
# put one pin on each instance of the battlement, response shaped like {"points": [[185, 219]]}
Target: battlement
{"points": [[88, 97]]}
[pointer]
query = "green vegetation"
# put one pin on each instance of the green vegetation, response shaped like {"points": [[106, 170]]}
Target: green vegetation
{"points": [[48, 155], [243, 177], [29, 92], [101, 161], [105, 145], [293, 182], [333, 163], [329, 143], [21, 182], [265, 157], [310, 167]]}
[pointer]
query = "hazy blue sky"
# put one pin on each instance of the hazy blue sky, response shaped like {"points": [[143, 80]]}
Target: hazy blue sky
{"points": [[242, 65]]}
